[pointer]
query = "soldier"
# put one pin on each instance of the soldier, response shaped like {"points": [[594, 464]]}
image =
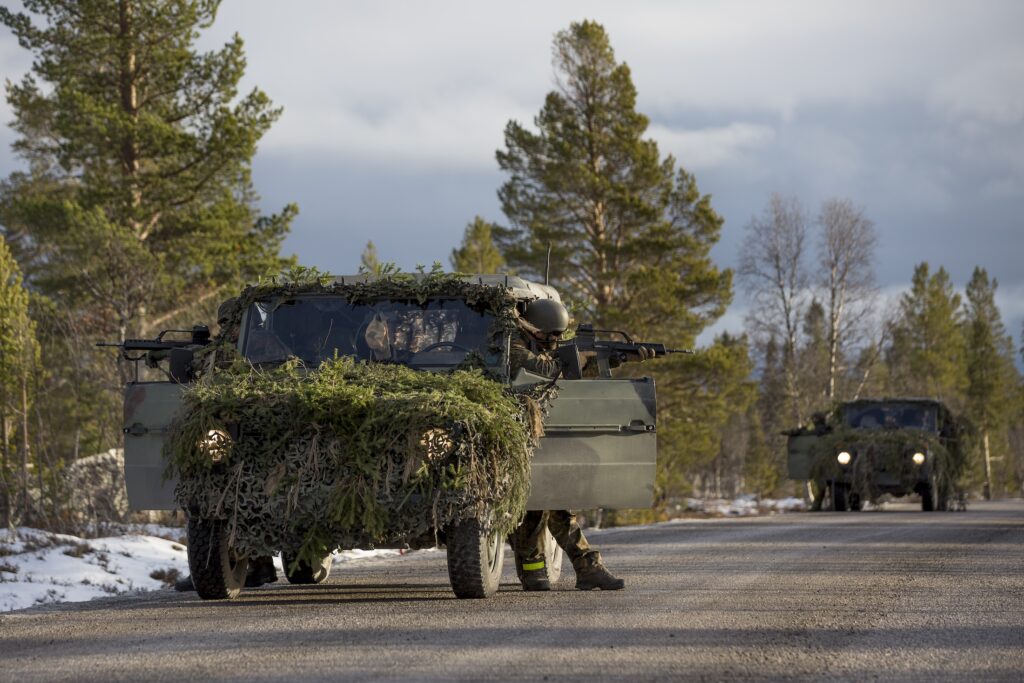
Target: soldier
{"points": [[541, 326]]}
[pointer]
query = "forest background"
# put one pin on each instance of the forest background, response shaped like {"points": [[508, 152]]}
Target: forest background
{"points": [[135, 211]]}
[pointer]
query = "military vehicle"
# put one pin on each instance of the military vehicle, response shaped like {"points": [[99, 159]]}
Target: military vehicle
{"points": [[867, 448], [598, 447]]}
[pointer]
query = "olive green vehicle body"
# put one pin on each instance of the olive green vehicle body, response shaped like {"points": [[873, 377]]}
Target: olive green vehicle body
{"points": [[598, 450], [882, 437]]}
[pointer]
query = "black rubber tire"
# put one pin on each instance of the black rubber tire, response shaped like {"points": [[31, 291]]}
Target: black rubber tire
{"points": [[552, 559], [838, 497], [856, 502], [216, 573], [474, 560], [304, 573]]}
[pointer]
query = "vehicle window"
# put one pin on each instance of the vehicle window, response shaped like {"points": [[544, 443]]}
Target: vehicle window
{"points": [[891, 416], [439, 333]]}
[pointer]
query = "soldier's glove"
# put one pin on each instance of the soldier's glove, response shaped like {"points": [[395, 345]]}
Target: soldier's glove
{"points": [[645, 353]]}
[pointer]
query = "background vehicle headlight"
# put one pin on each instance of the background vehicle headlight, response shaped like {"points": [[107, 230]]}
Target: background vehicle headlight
{"points": [[216, 445], [918, 458], [844, 457]]}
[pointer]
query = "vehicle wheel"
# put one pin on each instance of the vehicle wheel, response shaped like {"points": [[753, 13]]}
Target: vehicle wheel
{"points": [[217, 572], [856, 502], [552, 558], [838, 497], [474, 560], [305, 573]]}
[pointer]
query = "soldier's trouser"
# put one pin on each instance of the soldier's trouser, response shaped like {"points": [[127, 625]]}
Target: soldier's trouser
{"points": [[528, 539]]}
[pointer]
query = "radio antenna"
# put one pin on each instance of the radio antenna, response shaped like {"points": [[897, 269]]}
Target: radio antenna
{"points": [[547, 265]]}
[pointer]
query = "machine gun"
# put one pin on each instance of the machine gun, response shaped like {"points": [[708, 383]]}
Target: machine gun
{"points": [[608, 353], [178, 352]]}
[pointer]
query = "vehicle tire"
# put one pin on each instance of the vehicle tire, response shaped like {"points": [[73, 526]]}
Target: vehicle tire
{"points": [[552, 559], [838, 497], [856, 502], [217, 573], [306, 574], [474, 560]]}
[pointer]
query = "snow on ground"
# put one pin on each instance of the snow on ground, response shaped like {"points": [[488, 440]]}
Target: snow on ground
{"points": [[38, 567], [743, 506]]}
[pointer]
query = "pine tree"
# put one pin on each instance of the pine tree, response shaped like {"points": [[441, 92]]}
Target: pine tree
{"points": [[369, 262], [991, 373], [137, 204], [478, 253], [630, 234], [630, 237], [19, 361], [927, 354]]}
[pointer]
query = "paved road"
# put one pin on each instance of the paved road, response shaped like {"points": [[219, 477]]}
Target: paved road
{"points": [[888, 595]]}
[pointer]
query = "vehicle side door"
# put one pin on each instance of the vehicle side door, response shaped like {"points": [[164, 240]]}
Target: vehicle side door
{"points": [[599, 447]]}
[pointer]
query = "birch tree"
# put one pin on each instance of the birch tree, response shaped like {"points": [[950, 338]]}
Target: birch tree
{"points": [[847, 277], [774, 273]]}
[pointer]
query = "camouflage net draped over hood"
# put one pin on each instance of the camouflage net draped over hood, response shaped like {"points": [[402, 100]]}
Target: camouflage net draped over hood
{"points": [[352, 455], [887, 450], [355, 454]]}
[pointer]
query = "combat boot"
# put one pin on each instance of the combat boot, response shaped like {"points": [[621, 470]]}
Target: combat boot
{"points": [[536, 580], [596, 576], [261, 570]]}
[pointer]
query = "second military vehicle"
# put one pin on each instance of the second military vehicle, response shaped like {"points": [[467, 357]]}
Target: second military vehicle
{"points": [[871, 447]]}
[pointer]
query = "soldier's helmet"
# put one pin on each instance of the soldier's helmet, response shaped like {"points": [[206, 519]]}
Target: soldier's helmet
{"points": [[547, 315]]}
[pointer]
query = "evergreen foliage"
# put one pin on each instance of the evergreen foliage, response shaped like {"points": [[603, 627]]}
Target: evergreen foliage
{"points": [[19, 365], [369, 262], [135, 211], [630, 233], [139, 147], [927, 355], [478, 253], [991, 375]]}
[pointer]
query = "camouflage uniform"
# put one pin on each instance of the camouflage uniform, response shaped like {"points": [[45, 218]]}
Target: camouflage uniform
{"points": [[526, 541]]}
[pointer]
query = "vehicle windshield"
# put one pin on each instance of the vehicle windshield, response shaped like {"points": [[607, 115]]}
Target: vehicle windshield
{"points": [[891, 416], [440, 333]]}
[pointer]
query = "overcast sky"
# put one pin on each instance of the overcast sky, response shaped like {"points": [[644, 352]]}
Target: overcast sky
{"points": [[393, 112]]}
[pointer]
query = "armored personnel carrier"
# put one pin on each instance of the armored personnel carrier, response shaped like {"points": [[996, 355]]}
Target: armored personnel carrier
{"points": [[325, 414]]}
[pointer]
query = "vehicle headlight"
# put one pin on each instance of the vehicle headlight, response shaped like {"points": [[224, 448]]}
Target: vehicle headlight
{"points": [[216, 445], [844, 457], [918, 458], [437, 443]]}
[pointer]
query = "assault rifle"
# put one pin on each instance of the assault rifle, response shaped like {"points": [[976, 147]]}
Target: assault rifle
{"points": [[609, 354], [178, 352]]}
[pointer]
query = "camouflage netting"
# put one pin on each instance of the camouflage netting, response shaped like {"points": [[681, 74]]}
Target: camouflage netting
{"points": [[887, 450], [354, 454]]}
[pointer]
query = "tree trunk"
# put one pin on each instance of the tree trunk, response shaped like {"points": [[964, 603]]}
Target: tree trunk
{"points": [[24, 449], [5, 440], [988, 466]]}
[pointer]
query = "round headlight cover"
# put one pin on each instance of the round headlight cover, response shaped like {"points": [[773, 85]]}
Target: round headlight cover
{"points": [[216, 445], [844, 457], [918, 457]]}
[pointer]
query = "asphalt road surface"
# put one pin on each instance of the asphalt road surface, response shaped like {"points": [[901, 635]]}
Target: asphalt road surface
{"points": [[895, 594]]}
